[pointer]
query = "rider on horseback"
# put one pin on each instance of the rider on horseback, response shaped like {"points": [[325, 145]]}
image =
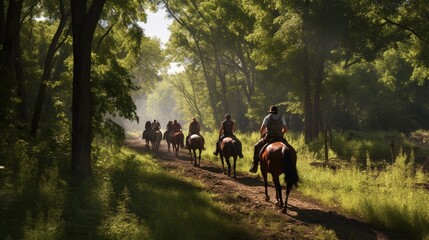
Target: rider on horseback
{"points": [[272, 129], [155, 125], [169, 129], [227, 129], [175, 127], [147, 128], [194, 128]]}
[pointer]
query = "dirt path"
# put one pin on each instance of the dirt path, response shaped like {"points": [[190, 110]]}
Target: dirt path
{"points": [[244, 196]]}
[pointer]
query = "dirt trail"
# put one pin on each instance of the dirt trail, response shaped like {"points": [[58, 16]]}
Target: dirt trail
{"points": [[245, 197]]}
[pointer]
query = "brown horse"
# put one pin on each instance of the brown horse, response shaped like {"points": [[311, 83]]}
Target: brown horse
{"points": [[177, 141], [147, 133], [228, 148], [196, 142], [156, 137], [278, 158], [167, 138]]}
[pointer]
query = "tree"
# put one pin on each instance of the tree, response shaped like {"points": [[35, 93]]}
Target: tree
{"points": [[49, 61], [84, 22]]}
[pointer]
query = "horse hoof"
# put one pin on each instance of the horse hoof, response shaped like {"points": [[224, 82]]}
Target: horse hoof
{"points": [[284, 211]]}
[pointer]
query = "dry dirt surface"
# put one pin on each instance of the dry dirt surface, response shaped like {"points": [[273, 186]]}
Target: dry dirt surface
{"points": [[244, 197]]}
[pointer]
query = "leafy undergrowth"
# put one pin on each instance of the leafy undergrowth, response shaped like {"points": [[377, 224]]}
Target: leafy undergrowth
{"points": [[128, 197]]}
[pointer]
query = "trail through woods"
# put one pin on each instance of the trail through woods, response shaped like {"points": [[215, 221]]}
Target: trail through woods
{"points": [[244, 197]]}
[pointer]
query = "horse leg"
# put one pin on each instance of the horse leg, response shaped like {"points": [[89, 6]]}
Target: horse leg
{"points": [[288, 188], [229, 166], [235, 161], [199, 157], [264, 175], [195, 158], [190, 154], [278, 187], [223, 166]]}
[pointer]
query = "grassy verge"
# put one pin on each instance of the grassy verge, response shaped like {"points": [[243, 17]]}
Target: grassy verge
{"points": [[129, 197], [368, 184], [389, 197]]}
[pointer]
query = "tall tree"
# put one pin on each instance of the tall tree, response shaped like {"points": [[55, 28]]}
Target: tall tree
{"points": [[85, 17], [9, 55], [49, 61]]}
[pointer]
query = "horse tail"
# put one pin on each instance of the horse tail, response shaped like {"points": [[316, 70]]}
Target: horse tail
{"points": [[200, 143], [235, 147], [182, 141], [291, 172]]}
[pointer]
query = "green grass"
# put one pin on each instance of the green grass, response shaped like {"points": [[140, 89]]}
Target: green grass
{"points": [[389, 198], [363, 184], [129, 197]]}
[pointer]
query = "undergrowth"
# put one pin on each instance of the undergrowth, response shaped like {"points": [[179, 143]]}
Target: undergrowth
{"points": [[390, 197]]}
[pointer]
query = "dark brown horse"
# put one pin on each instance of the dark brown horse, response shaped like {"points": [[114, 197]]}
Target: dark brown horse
{"points": [[167, 138], [228, 148], [177, 141], [279, 158], [196, 142], [147, 133], [155, 139]]}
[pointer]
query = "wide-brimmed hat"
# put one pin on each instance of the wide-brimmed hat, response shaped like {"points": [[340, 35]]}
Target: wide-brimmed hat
{"points": [[273, 109]]}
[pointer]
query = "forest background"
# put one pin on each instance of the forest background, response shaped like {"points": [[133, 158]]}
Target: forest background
{"points": [[74, 72]]}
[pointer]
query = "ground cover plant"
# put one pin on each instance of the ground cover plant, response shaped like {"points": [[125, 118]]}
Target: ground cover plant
{"points": [[392, 195], [128, 197]]}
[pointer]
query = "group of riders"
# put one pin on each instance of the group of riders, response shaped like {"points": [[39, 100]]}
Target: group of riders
{"points": [[272, 130]]}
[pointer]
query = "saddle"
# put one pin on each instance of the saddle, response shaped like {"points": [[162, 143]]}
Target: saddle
{"points": [[268, 142]]}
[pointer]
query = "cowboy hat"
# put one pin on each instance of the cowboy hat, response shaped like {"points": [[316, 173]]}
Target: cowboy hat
{"points": [[273, 109]]}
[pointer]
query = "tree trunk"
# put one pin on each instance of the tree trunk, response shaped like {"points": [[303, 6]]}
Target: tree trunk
{"points": [[83, 24], [307, 98], [221, 75], [2, 24], [10, 46], [317, 93], [20, 88], [53, 47]]}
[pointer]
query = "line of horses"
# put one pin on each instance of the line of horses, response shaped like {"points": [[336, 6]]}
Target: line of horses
{"points": [[276, 158]]}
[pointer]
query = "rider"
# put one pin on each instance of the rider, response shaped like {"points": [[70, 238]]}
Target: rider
{"points": [[147, 127], [169, 129], [175, 127], [194, 128], [272, 129], [155, 125], [227, 129]]}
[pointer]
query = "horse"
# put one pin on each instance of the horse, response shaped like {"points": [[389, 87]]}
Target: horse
{"points": [[195, 142], [177, 141], [167, 138], [278, 158], [156, 139], [228, 148], [147, 133]]}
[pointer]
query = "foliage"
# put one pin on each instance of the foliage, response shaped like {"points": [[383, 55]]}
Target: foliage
{"points": [[125, 199], [388, 196]]}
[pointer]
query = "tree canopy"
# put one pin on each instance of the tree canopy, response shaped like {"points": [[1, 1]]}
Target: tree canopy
{"points": [[75, 68]]}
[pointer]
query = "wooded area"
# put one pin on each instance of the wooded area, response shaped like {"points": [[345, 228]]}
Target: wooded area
{"points": [[69, 67], [351, 78]]}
